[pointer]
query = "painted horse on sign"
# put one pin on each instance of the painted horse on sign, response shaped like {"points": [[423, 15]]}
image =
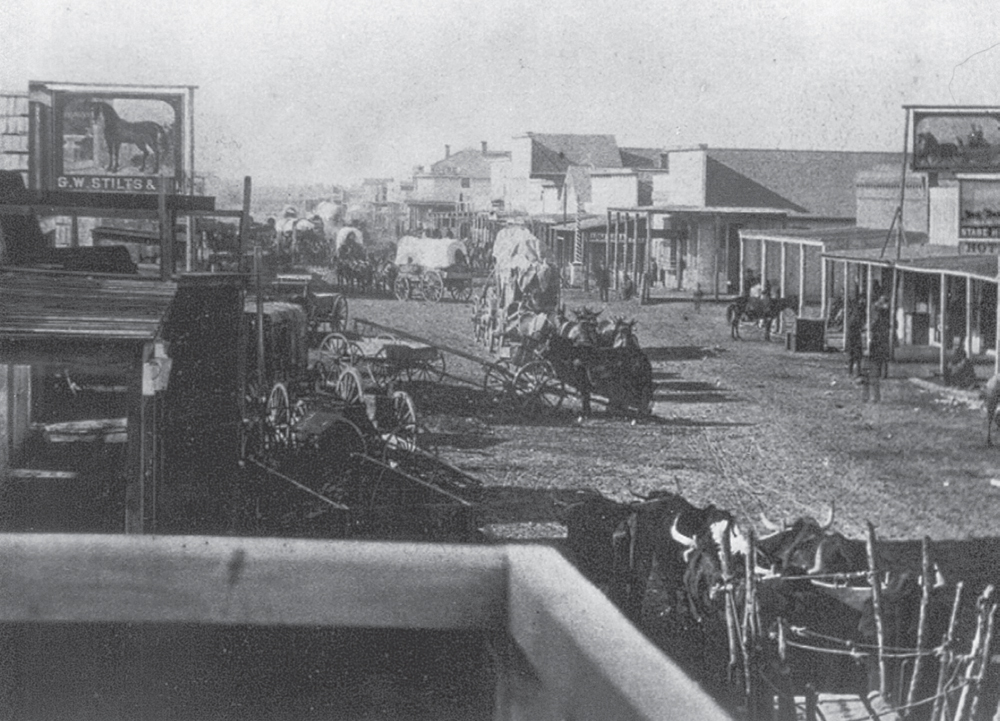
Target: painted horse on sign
{"points": [[147, 136]]}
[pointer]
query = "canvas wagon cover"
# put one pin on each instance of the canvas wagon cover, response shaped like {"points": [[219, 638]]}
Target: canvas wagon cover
{"points": [[429, 252], [516, 249]]}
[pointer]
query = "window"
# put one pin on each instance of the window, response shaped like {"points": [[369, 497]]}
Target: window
{"points": [[665, 161], [466, 182]]}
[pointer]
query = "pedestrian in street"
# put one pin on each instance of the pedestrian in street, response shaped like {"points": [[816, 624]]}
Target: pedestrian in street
{"points": [[878, 346], [654, 272], [603, 281], [853, 331]]}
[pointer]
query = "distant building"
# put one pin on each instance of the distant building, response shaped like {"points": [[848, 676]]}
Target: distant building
{"points": [[702, 198]]}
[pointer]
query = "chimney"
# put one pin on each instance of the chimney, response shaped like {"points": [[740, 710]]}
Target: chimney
{"points": [[484, 147], [447, 151]]}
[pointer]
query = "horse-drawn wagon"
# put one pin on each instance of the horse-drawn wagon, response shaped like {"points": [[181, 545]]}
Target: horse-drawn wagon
{"points": [[316, 418], [427, 267], [326, 312], [540, 352]]}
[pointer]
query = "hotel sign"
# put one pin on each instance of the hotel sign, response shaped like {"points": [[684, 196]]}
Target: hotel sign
{"points": [[979, 247]]}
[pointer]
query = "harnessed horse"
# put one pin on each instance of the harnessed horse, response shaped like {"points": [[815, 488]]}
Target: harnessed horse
{"points": [[147, 136]]}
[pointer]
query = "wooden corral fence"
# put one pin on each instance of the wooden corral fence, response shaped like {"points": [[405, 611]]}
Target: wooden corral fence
{"points": [[560, 649], [940, 677]]}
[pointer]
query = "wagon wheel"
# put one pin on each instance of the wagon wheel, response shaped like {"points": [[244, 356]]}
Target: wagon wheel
{"points": [[537, 388], [498, 380], [404, 420], [461, 290], [432, 286], [349, 386], [338, 314], [342, 350], [384, 372], [401, 288], [277, 418], [427, 370]]}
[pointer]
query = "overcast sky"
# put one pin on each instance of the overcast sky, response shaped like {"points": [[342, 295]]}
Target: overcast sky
{"points": [[335, 90]]}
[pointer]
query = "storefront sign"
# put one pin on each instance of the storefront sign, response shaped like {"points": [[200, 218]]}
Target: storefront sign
{"points": [[109, 139], [958, 140], [979, 209], [982, 247], [112, 184]]}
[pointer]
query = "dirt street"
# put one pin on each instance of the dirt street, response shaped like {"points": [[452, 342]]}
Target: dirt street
{"points": [[749, 426]]}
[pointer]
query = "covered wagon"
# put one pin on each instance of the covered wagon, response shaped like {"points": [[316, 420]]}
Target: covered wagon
{"points": [[427, 267]]}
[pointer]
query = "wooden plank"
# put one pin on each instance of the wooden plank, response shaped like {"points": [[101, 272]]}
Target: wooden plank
{"points": [[257, 581], [593, 663], [417, 339], [39, 474]]}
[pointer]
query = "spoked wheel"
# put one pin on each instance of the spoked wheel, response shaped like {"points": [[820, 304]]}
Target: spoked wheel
{"points": [[384, 372], [432, 285], [498, 380], [277, 418], [349, 386], [343, 351], [537, 388], [427, 370], [401, 288], [461, 291], [404, 419], [338, 314]]}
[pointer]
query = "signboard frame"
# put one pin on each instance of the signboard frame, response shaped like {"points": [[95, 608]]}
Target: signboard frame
{"points": [[956, 139], [91, 138]]}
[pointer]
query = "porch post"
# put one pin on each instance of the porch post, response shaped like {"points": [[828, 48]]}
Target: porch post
{"points": [[892, 314], [784, 269], [743, 274], [944, 322], [824, 280], [847, 300], [868, 304], [763, 262], [968, 317], [802, 279], [607, 246]]}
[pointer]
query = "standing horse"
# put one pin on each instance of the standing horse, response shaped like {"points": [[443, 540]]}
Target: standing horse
{"points": [[147, 136], [764, 309]]}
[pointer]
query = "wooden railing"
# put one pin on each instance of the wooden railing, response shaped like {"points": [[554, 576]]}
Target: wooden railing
{"points": [[565, 652]]}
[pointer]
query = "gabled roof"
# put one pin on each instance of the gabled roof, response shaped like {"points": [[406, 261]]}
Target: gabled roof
{"points": [[469, 163], [554, 154], [815, 183], [642, 158]]}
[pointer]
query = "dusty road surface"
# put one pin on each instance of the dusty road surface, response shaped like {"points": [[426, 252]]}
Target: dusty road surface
{"points": [[749, 426]]}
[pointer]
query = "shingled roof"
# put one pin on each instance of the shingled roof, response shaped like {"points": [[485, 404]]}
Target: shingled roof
{"points": [[815, 183], [554, 154]]}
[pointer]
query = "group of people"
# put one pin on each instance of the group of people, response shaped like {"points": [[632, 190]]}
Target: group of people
{"points": [[959, 371], [602, 278]]}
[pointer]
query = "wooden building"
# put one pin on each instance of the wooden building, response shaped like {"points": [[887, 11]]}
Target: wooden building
{"points": [[87, 408]]}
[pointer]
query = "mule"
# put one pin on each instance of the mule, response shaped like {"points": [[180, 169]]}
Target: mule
{"points": [[764, 310]]}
